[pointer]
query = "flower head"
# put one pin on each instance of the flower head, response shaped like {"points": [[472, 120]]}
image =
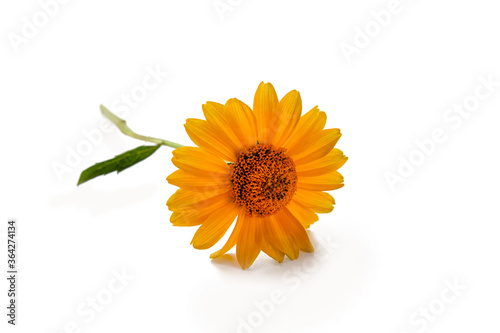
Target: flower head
{"points": [[268, 168]]}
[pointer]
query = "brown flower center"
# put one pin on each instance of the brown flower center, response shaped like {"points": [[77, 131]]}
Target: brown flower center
{"points": [[264, 180]]}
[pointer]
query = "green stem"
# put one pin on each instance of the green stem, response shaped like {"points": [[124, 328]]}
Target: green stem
{"points": [[123, 127]]}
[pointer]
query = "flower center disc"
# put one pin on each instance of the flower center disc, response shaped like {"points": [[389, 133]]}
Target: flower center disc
{"points": [[264, 180]]}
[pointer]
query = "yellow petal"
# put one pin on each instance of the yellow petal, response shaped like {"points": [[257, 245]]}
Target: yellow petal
{"points": [[265, 106], [192, 200], [233, 238], [195, 213], [184, 179], [205, 137], [312, 122], [290, 109], [267, 244], [215, 226], [196, 160], [327, 182], [185, 219], [317, 146], [249, 240], [280, 237], [241, 119], [319, 202], [304, 215], [216, 117], [331, 162], [296, 230]]}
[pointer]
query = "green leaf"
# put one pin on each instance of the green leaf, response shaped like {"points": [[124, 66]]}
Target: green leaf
{"points": [[118, 163]]}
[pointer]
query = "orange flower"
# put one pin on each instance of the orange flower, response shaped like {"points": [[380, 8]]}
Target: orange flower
{"points": [[268, 168]]}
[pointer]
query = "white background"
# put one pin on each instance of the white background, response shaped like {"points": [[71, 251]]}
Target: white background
{"points": [[393, 251]]}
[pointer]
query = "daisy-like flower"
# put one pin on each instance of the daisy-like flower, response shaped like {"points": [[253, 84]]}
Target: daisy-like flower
{"points": [[267, 168]]}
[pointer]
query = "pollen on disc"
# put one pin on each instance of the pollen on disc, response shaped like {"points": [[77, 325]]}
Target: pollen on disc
{"points": [[264, 180]]}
